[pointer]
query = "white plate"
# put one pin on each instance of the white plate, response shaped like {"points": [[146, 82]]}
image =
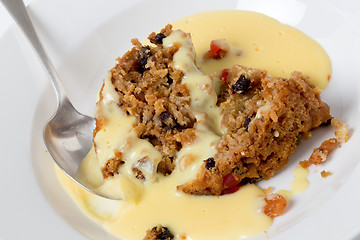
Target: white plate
{"points": [[83, 39]]}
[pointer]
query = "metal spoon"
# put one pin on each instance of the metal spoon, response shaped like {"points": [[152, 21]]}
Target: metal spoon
{"points": [[68, 134]]}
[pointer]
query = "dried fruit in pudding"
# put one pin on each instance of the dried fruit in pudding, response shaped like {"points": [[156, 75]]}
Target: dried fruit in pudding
{"points": [[275, 205], [142, 170], [264, 119], [167, 107], [218, 49], [159, 233]]}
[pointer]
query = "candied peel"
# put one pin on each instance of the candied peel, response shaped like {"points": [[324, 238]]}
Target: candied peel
{"points": [[275, 205], [325, 174]]}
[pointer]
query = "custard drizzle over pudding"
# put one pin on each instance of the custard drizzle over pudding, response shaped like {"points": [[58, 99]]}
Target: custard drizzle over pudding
{"points": [[156, 199]]}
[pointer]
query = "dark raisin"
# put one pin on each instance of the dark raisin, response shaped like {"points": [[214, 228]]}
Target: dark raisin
{"points": [[164, 115], [242, 84], [178, 146], [210, 163], [119, 104], [249, 180], [167, 121], [165, 234], [246, 122], [143, 56], [169, 79], [158, 39]]}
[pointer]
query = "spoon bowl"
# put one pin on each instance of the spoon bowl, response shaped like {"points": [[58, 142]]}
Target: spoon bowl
{"points": [[68, 138], [68, 134]]}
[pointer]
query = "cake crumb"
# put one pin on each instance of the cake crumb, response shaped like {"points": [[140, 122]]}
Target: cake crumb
{"points": [[111, 167], [304, 164], [268, 190], [341, 131], [321, 153], [158, 233], [325, 174]]}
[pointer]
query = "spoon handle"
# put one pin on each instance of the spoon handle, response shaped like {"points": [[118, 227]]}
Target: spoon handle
{"points": [[18, 11]]}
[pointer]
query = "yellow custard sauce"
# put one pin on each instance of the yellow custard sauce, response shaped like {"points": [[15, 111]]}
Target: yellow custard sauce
{"points": [[264, 43], [256, 41]]}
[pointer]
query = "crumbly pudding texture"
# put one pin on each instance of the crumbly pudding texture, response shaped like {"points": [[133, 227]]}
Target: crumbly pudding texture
{"points": [[265, 117], [158, 232]]}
